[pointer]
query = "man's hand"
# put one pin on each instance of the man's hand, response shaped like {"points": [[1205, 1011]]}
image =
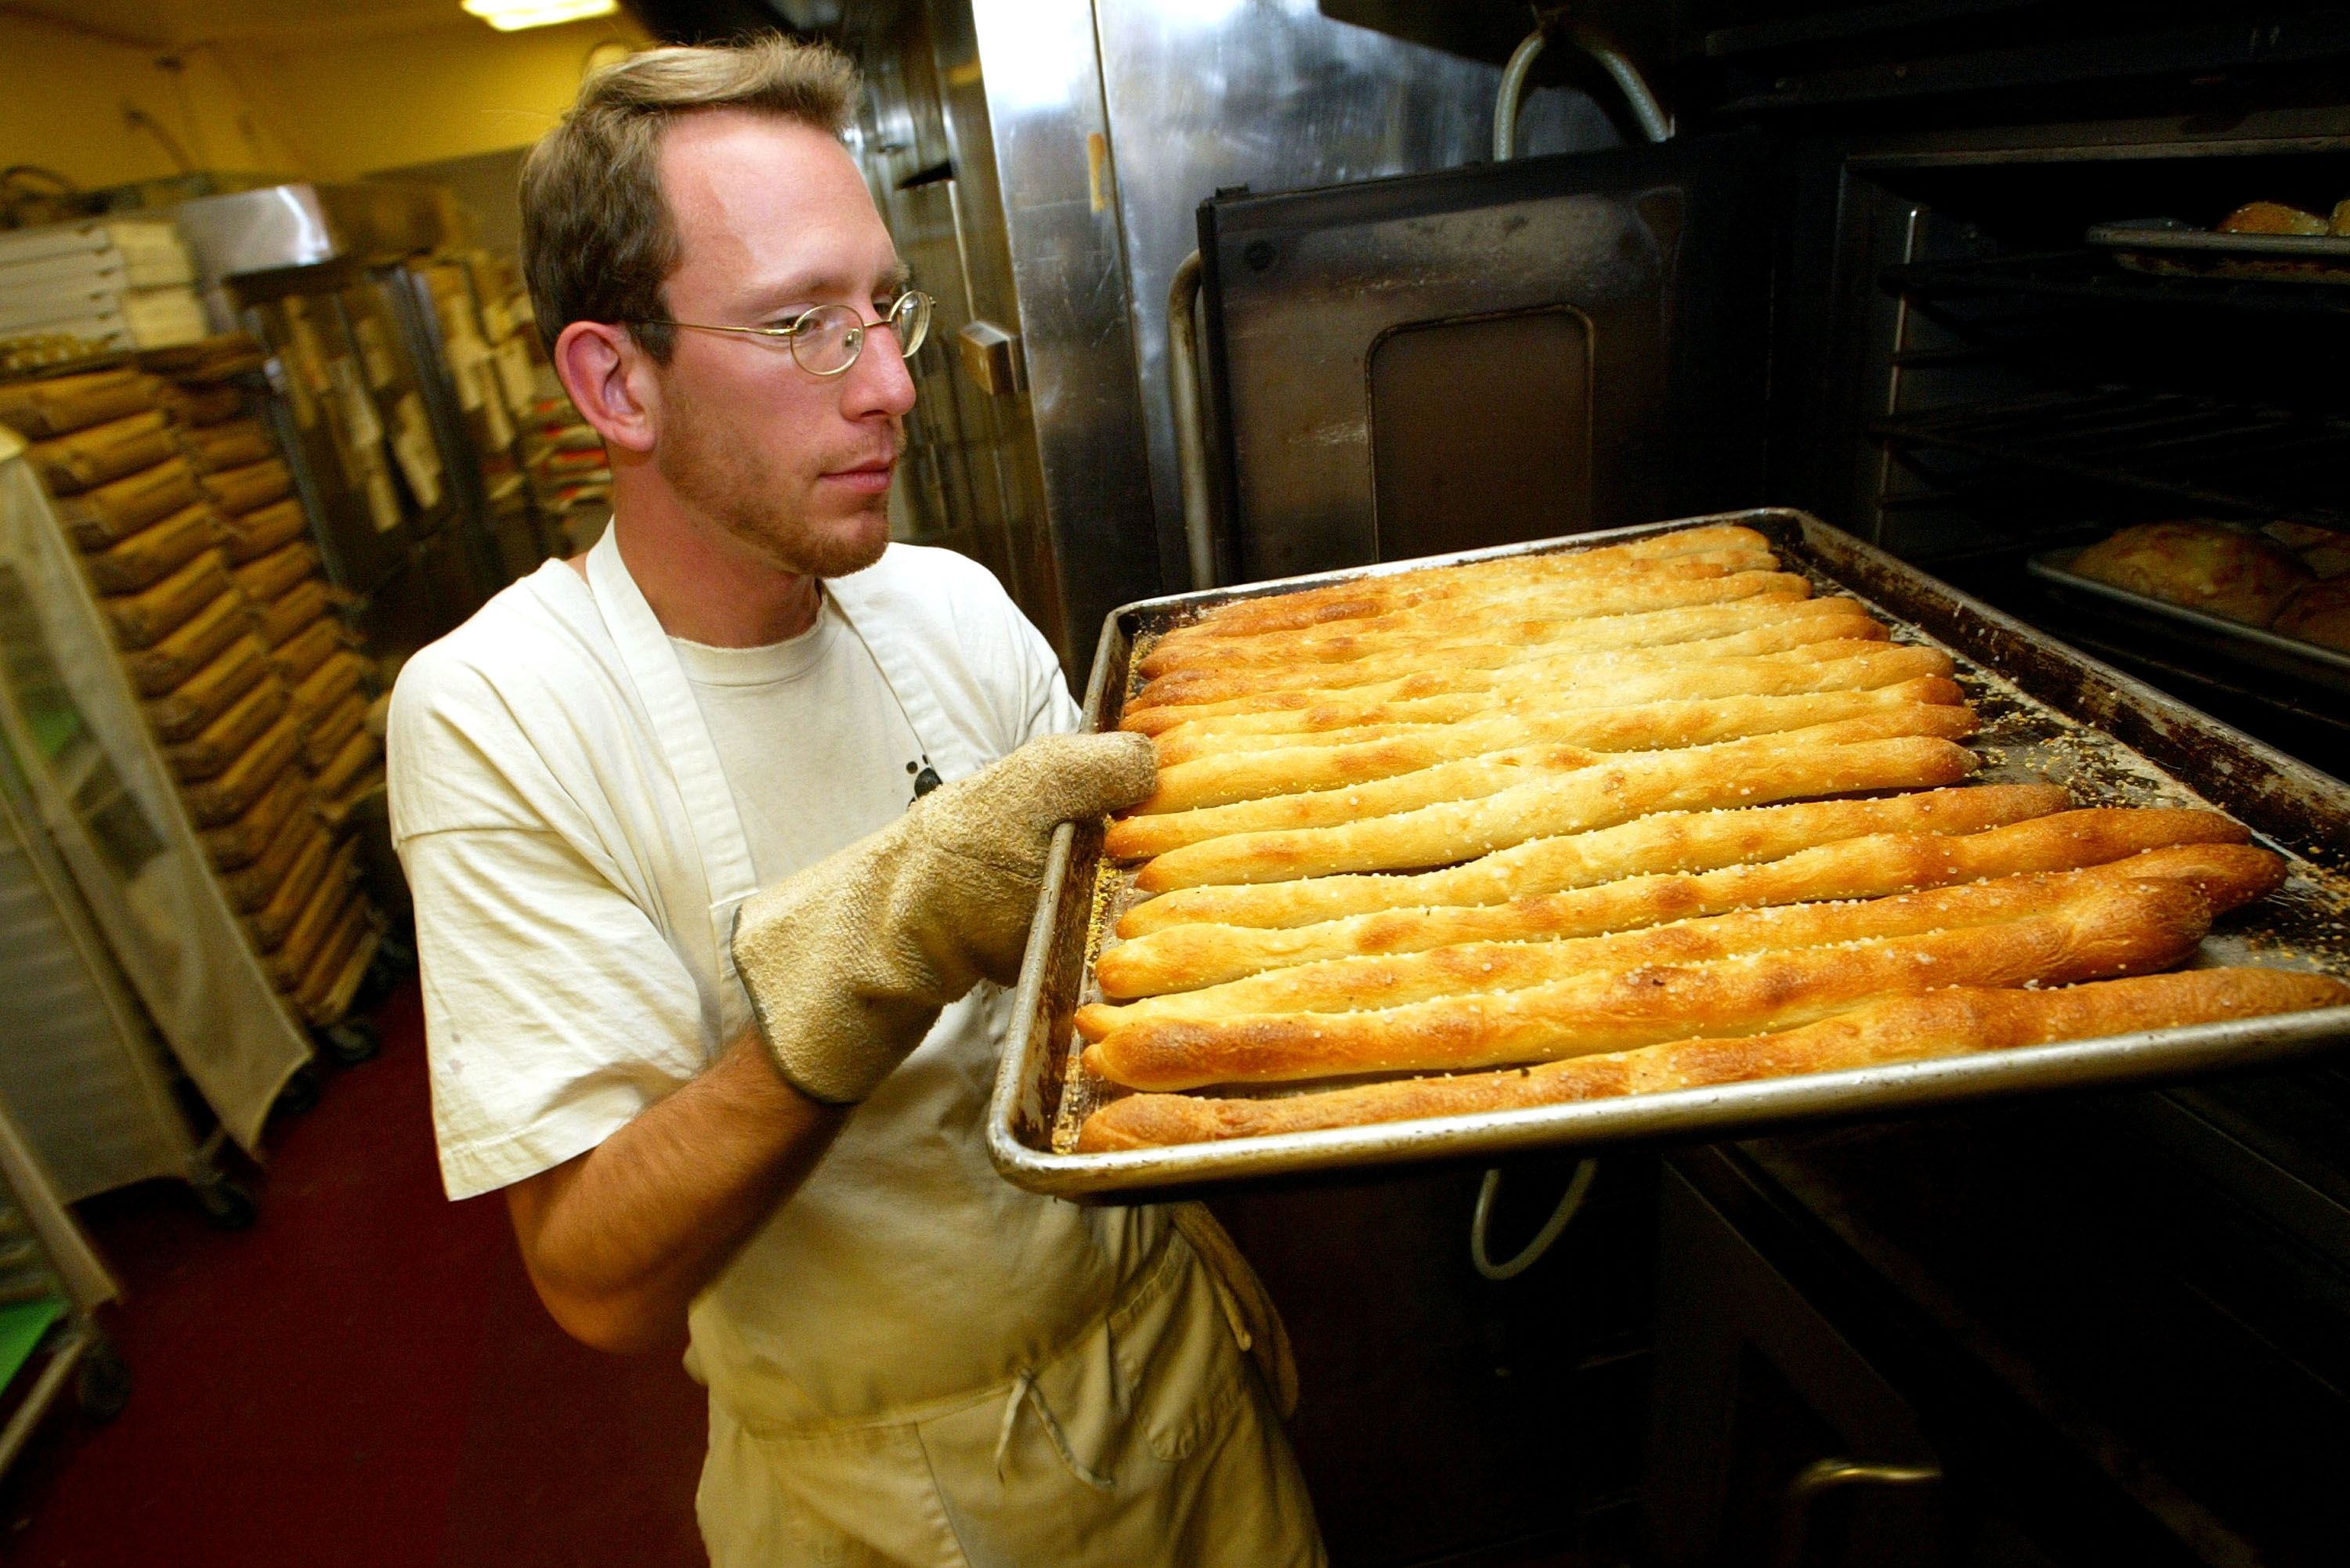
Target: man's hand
{"points": [[849, 963]]}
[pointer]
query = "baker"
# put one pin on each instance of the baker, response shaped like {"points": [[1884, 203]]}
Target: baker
{"points": [[724, 840]]}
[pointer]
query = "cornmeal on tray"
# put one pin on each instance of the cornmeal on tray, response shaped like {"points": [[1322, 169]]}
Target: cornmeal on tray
{"points": [[1609, 822]]}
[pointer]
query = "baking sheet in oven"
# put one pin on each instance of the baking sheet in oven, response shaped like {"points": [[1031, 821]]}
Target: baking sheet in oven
{"points": [[2048, 713], [2179, 250], [2256, 644]]}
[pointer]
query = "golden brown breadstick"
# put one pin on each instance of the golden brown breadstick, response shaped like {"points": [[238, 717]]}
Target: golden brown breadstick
{"points": [[1468, 778], [1842, 665], [1539, 619], [1378, 594], [1802, 627], [1681, 841], [1445, 589], [1616, 789], [1139, 837], [1647, 726], [2227, 875], [1181, 958], [1303, 771], [1948, 1023], [2103, 928], [1449, 616]]}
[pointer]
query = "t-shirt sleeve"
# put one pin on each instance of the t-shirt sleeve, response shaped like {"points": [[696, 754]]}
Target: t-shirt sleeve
{"points": [[1044, 693], [554, 1011]]}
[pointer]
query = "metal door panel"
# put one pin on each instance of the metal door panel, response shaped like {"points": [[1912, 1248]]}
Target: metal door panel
{"points": [[1666, 252]]}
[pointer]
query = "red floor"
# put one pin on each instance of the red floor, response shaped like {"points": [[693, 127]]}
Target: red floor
{"points": [[363, 1378]]}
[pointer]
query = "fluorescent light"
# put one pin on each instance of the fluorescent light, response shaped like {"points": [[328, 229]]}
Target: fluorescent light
{"points": [[510, 16]]}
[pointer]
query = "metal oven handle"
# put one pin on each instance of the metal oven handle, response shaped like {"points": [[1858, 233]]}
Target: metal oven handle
{"points": [[1191, 440], [1823, 1476]]}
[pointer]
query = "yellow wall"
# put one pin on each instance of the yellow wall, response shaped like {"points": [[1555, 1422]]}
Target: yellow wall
{"points": [[61, 106], [443, 91], [327, 110]]}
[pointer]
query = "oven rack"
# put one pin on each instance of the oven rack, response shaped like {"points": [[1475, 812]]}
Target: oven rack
{"points": [[2266, 462], [2092, 276]]}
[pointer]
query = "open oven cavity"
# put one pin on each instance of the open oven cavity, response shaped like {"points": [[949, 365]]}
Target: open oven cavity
{"points": [[2018, 389]]}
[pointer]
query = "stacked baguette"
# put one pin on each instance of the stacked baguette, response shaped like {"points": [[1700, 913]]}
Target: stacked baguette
{"points": [[198, 552], [1616, 821]]}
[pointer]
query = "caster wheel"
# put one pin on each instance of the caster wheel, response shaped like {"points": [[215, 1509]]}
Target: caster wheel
{"points": [[299, 1094], [103, 1382], [392, 962], [227, 1206], [352, 1042]]}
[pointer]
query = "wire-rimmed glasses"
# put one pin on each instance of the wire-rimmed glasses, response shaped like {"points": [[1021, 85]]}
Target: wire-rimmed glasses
{"points": [[826, 339]]}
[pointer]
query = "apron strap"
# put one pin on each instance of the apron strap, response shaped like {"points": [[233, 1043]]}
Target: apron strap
{"points": [[1025, 1391], [684, 735], [942, 742]]}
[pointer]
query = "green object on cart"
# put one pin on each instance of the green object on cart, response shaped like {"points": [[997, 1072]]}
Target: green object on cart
{"points": [[21, 1328], [54, 730]]}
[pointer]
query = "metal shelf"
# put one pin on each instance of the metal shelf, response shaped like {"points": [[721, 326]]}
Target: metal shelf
{"points": [[2230, 457], [2093, 276]]}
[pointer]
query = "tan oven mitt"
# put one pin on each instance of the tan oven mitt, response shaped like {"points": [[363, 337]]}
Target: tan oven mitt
{"points": [[849, 963]]}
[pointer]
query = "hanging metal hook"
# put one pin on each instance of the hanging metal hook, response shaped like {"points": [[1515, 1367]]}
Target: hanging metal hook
{"points": [[1577, 1187]]}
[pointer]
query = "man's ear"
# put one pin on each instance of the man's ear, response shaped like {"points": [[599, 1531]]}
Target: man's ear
{"points": [[611, 383]]}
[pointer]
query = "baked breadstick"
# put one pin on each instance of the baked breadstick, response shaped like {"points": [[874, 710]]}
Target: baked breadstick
{"points": [[1458, 620], [1303, 771], [1645, 727], [1536, 619], [1468, 778], [2227, 875], [1331, 720], [1379, 594], [1801, 627], [1139, 837], [1185, 957], [1954, 1022], [1840, 666], [1210, 770], [2102, 929], [1683, 841], [1736, 772], [1442, 589]]}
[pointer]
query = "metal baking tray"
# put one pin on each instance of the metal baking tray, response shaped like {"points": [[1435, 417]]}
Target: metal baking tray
{"points": [[2169, 246], [2234, 638], [2048, 713]]}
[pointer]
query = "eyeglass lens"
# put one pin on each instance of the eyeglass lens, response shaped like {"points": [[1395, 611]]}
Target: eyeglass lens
{"points": [[828, 339]]}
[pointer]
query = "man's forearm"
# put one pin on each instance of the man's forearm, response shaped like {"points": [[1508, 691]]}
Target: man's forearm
{"points": [[620, 1240]]}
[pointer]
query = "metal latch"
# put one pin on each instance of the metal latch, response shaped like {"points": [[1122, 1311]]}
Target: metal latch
{"points": [[992, 357]]}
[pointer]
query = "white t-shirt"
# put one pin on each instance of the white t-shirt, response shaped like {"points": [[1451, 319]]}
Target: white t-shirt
{"points": [[572, 888], [814, 724]]}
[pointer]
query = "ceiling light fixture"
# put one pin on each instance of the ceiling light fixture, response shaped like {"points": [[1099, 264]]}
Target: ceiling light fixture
{"points": [[512, 16]]}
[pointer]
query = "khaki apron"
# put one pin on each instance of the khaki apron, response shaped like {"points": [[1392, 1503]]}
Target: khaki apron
{"points": [[1105, 1410]]}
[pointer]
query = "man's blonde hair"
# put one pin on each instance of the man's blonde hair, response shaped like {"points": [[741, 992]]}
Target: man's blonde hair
{"points": [[598, 239]]}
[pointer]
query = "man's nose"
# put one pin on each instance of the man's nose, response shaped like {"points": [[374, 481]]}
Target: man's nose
{"points": [[879, 382]]}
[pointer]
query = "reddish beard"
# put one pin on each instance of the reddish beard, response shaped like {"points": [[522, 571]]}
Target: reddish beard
{"points": [[726, 480]]}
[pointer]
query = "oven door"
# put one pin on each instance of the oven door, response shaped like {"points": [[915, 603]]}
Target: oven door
{"points": [[1492, 353]]}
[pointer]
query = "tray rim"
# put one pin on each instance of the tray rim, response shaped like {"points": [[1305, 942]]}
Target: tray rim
{"points": [[2054, 565], [2212, 242], [1706, 1115]]}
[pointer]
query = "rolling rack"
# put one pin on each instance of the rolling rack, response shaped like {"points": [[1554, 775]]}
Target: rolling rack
{"points": [[51, 1284]]}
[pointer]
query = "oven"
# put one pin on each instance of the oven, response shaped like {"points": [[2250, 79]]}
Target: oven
{"points": [[1235, 291]]}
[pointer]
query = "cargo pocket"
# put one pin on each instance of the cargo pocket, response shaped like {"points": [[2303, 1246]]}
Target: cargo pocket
{"points": [[1174, 1353]]}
